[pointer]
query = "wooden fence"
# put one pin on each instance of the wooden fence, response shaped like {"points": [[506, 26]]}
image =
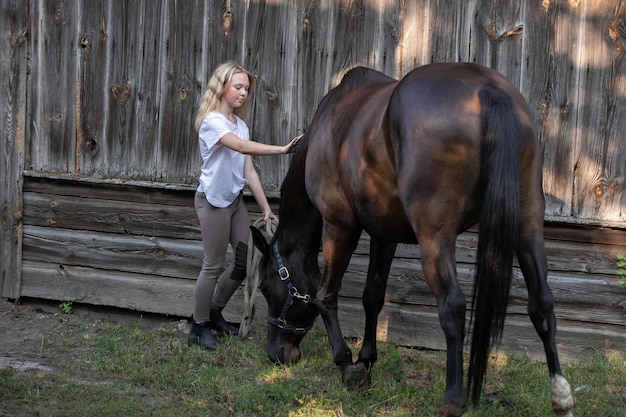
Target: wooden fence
{"points": [[99, 158]]}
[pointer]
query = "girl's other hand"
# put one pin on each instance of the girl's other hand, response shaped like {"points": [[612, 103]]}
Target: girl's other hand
{"points": [[269, 216]]}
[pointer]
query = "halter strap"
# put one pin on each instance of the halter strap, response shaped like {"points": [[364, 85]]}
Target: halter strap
{"points": [[292, 293]]}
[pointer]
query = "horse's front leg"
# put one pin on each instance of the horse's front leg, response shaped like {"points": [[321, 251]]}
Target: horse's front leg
{"points": [[337, 250], [381, 256], [532, 260]]}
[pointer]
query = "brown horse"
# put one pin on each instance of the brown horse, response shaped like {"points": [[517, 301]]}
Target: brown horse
{"points": [[413, 161]]}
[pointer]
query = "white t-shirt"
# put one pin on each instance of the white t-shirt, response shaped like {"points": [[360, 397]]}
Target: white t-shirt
{"points": [[221, 177]]}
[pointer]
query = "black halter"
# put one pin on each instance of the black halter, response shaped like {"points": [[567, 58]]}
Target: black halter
{"points": [[292, 292]]}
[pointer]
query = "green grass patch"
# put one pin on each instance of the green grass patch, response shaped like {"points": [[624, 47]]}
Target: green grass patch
{"points": [[126, 370]]}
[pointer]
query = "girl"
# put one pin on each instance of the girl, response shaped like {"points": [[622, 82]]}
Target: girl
{"points": [[226, 169]]}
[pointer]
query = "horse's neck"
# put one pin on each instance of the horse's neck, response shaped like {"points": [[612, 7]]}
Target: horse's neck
{"points": [[301, 230], [300, 226]]}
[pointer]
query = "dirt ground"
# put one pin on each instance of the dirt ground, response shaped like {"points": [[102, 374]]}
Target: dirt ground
{"points": [[32, 329]]}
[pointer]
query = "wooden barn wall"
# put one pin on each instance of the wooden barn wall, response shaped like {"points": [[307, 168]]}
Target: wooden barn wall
{"points": [[13, 70], [136, 246], [99, 158], [114, 85]]}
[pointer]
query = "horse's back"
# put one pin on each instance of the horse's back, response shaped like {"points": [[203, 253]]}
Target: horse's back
{"points": [[447, 95]]}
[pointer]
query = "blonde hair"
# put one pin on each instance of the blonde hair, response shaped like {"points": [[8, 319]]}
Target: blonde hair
{"points": [[220, 78]]}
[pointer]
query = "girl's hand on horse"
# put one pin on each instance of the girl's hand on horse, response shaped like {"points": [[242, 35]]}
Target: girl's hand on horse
{"points": [[291, 146]]}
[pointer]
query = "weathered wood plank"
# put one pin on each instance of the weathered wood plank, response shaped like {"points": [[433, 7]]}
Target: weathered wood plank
{"points": [[568, 249], [131, 142], [414, 37], [148, 255], [602, 236], [181, 84], [316, 57], [419, 327], [14, 33], [113, 216], [593, 299], [550, 86], [122, 190], [600, 174], [134, 291], [366, 34], [54, 38], [272, 55], [450, 36], [150, 293], [126, 209], [497, 37], [93, 89]]}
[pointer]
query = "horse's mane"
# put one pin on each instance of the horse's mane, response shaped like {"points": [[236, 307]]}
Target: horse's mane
{"points": [[294, 202]]}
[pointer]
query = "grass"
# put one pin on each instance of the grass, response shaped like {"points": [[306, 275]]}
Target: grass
{"points": [[127, 370]]}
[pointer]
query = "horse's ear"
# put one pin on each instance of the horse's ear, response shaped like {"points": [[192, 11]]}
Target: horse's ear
{"points": [[259, 241]]}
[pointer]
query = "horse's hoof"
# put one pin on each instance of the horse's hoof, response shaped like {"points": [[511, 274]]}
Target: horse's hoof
{"points": [[453, 406], [561, 395], [451, 411], [355, 376]]}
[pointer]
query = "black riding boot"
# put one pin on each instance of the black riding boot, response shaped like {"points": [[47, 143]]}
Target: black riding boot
{"points": [[217, 323], [200, 334]]}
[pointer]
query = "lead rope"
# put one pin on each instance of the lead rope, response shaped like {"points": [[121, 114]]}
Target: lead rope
{"points": [[251, 283]]}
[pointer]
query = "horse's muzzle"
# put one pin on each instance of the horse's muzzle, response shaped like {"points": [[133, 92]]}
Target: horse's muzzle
{"points": [[283, 353]]}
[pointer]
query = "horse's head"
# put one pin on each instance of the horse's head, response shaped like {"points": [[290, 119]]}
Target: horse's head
{"points": [[291, 308]]}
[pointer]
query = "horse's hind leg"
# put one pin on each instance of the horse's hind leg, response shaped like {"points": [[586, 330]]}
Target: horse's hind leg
{"points": [[381, 256], [532, 259], [440, 272]]}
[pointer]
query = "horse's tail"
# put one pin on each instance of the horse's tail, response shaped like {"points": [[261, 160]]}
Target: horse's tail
{"points": [[498, 228]]}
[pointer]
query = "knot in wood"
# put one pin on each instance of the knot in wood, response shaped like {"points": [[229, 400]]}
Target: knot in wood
{"points": [[617, 32], [22, 37], [615, 185], [227, 21], [121, 93], [599, 191], [92, 146], [57, 12], [272, 97]]}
